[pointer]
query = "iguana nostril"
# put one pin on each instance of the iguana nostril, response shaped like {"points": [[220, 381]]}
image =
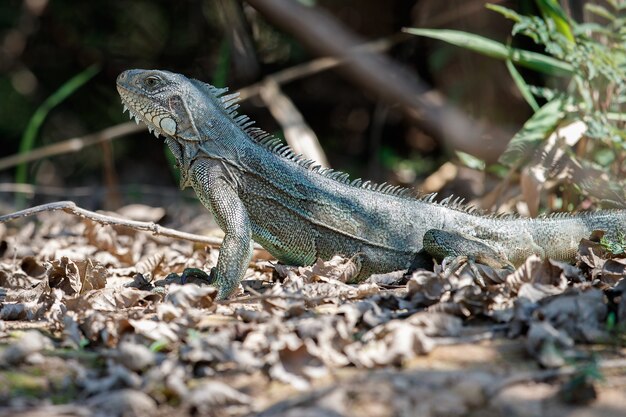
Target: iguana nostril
{"points": [[122, 76]]}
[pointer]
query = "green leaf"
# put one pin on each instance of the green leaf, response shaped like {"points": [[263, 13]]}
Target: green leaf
{"points": [[36, 121], [616, 117], [158, 345], [535, 130], [494, 49], [617, 5], [600, 11], [220, 75], [544, 92], [506, 12], [522, 86], [172, 163], [585, 28], [551, 9], [610, 321], [471, 161]]}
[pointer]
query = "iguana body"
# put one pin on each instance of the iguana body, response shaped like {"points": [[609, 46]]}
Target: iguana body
{"points": [[259, 190]]}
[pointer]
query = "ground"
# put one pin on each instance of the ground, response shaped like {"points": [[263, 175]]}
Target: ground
{"points": [[96, 321]]}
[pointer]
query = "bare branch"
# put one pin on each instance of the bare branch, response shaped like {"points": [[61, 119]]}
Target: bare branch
{"points": [[323, 34], [71, 145], [253, 90], [90, 191], [71, 208], [319, 64], [300, 137]]}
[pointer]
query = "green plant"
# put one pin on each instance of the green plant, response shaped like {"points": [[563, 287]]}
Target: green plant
{"points": [[616, 246], [589, 60], [36, 121]]}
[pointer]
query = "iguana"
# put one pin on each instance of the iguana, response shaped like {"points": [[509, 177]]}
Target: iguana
{"points": [[259, 190]]}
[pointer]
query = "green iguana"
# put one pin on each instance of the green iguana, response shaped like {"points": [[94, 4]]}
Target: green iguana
{"points": [[258, 189]]}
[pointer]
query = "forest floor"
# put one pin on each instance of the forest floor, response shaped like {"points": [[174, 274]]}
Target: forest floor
{"points": [[95, 321]]}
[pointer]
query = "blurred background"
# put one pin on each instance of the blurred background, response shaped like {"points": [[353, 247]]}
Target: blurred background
{"points": [[396, 117]]}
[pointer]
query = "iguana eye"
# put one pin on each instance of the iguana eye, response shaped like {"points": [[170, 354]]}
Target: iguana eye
{"points": [[151, 81]]}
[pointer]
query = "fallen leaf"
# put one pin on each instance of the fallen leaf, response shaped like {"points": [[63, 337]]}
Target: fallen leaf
{"points": [[123, 403], [29, 344], [208, 397], [191, 296]]}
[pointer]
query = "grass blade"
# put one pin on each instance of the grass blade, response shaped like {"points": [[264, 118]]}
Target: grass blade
{"points": [[494, 49], [34, 124], [506, 12], [222, 69], [522, 86], [551, 9], [600, 11]]}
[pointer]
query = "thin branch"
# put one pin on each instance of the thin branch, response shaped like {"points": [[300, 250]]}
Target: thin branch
{"points": [[71, 145], [281, 77], [322, 33], [71, 208], [319, 64], [91, 191], [300, 137]]}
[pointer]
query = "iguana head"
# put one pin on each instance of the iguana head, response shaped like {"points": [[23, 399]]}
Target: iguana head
{"points": [[187, 112], [168, 103]]}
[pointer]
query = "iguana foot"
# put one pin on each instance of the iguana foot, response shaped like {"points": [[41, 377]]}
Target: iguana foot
{"points": [[422, 260], [456, 249], [197, 274], [451, 264]]}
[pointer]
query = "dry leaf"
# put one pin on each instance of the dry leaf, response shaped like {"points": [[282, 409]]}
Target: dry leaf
{"points": [[546, 343], [123, 403], [190, 353], [134, 356], [30, 343], [210, 396], [111, 299], [191, 296]]}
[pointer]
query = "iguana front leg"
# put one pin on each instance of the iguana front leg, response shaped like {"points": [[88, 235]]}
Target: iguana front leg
{"points": [[218, 192]]}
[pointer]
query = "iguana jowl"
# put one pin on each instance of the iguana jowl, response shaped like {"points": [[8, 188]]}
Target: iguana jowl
{"points": [[259, 190]]}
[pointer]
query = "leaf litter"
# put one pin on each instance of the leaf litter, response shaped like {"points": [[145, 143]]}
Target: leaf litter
{"points": [[96, 322]]}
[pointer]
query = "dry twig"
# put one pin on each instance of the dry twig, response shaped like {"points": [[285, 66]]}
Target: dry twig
{"points": [[324, 34], [281, 77], [71, 145], [71, 208]]}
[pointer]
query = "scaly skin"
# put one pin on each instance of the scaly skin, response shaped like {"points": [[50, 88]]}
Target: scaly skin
{"points": [[258, 190]]}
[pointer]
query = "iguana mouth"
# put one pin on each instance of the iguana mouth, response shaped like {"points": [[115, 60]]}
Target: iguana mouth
{"points": [[126, 96]]}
